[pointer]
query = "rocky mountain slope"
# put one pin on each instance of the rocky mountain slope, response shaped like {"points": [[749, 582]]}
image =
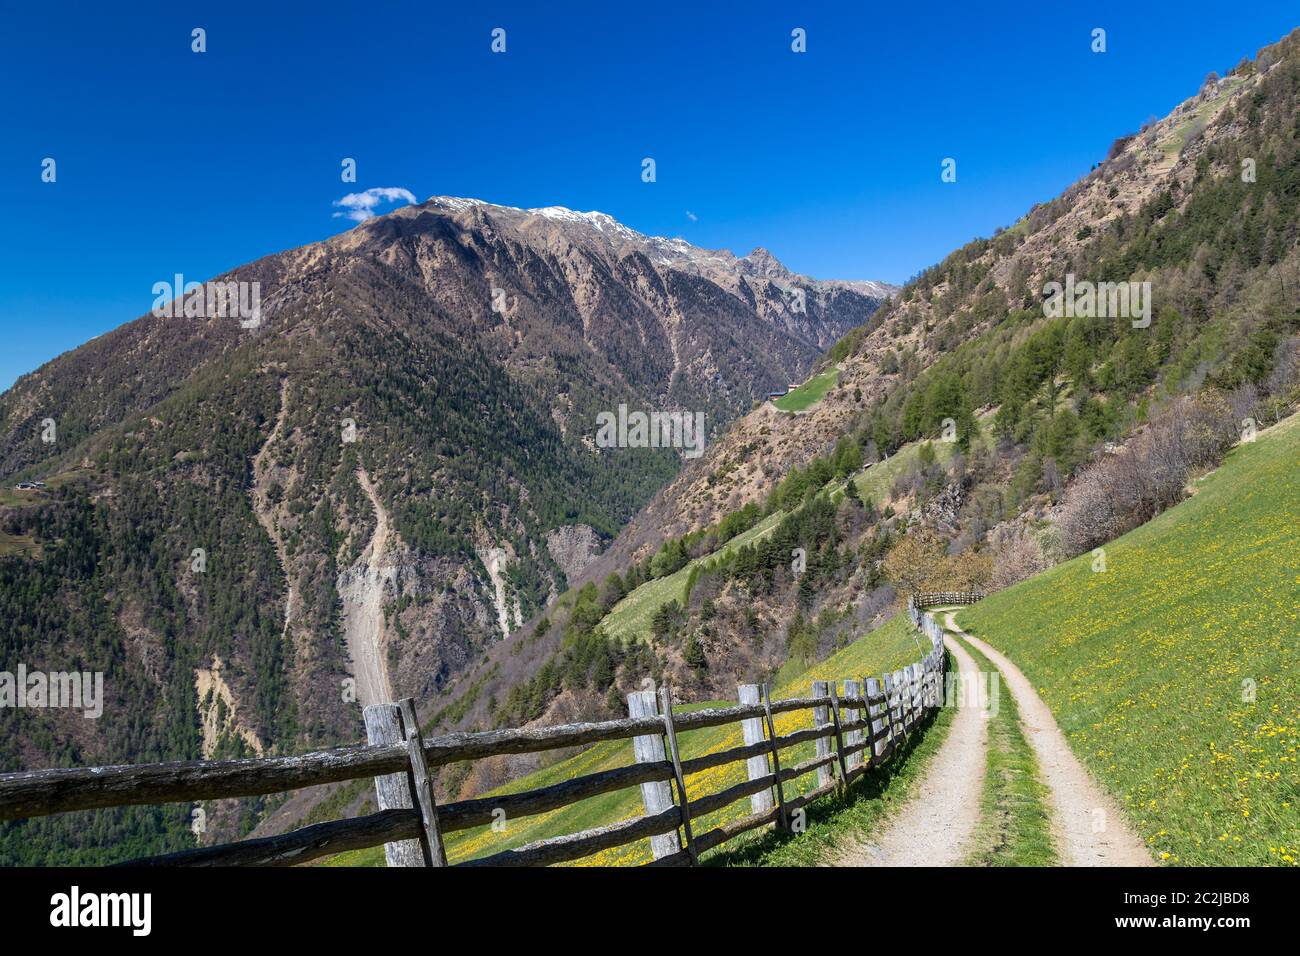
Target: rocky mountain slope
{"points": [[355, 494], [1000, 432], [1221, 165], [754, 554]]}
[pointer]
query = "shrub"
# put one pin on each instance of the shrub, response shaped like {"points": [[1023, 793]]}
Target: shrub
{"points": [[1017, 555], [1146, 476]]}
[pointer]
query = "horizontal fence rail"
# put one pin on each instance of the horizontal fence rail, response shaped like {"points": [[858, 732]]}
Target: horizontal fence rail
{"points": [[855, 726], [935, 598]]}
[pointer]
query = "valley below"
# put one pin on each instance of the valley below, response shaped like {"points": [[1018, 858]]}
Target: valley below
{"points": [[402, 484]]}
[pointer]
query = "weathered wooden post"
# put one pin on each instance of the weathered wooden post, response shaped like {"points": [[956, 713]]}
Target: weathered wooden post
{"points": [[422, 784], [903, 681], [756, 767], [776, 757], [839, 736], [890, 697], [877, 731], [397, 724], [657, 795], [869, 734], [683, 801], [822, 717], [853, 688], [900, 700]]}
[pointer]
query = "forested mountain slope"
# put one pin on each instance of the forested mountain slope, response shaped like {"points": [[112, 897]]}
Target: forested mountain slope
{"points": [[252, 527], [1202, 204], [989, 428]]}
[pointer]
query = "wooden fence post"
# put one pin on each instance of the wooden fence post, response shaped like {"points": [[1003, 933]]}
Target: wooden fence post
{"points": [[868, 735], [776, 757], [393, 791], [905, 694], [821, 717], [899, 687], [853, 688], [876, 736], [839, 737], [657, 795], [756, 767], [890, 730], [683, 801], [942, 655], [422, 784]]}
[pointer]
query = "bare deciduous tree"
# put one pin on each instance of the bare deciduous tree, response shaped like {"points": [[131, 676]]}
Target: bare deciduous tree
{"points": [[1016, 554], [1147, 475]]}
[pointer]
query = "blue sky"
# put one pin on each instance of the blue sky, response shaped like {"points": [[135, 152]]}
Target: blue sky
{"points": [[171, 161]]}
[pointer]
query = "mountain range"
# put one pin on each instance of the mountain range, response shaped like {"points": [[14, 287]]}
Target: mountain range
{"points": [[389, 483], [253, 525], [985, 432]]}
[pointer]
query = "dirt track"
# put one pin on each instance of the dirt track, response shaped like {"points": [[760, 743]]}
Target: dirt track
{"points": [[1089, 829], [935, 826]]}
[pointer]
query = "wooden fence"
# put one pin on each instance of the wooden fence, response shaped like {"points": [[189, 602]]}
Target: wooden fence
{"points": [[854, 727], [935, 598]]}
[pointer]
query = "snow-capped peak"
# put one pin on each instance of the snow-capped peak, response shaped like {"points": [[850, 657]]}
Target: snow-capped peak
{"points": [[674, 251]]}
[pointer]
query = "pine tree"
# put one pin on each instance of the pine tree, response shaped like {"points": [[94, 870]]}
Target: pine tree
{"points": [[851, 492], [693, 654]]}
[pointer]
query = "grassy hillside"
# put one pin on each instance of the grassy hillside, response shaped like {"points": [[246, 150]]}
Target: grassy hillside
{"points": [[874, 483], [631, 617], [809, 393], [884, 649], [1150, 666]]}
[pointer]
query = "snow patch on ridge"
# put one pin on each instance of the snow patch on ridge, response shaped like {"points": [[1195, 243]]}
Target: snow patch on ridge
{"points": [[674, 251]]}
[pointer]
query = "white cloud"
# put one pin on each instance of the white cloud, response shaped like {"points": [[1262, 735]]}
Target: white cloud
{"points": [[361, 206], [691, 216]]}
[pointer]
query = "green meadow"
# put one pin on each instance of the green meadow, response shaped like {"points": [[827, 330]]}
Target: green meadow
{"points": [[809, 393], [631, 616], [1175, 671], [887, 648]]}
